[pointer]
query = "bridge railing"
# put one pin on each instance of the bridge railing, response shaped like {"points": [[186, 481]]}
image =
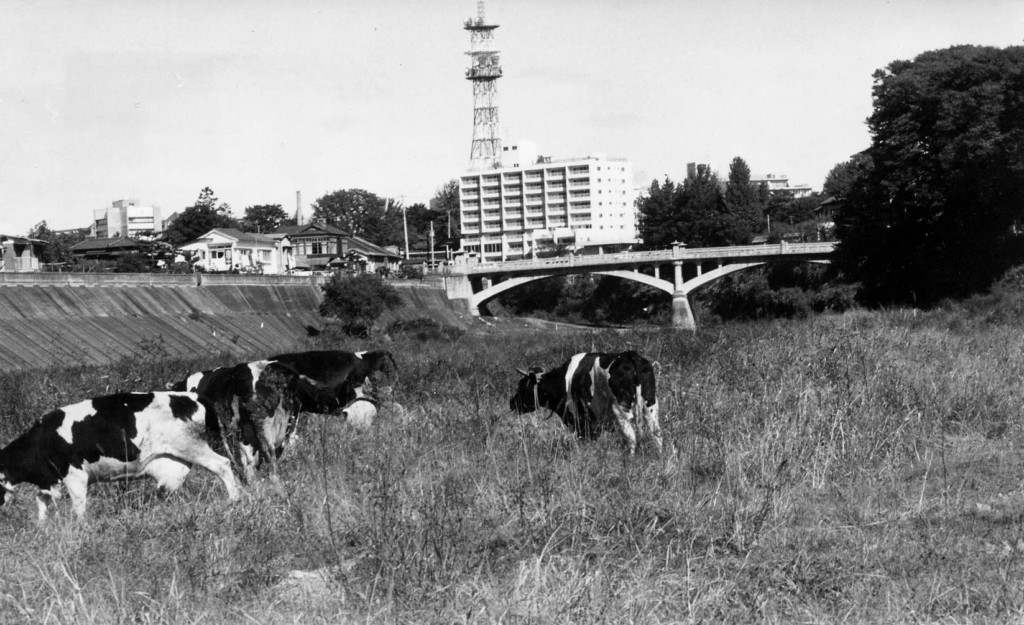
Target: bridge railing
{"points": [[639, 258]]}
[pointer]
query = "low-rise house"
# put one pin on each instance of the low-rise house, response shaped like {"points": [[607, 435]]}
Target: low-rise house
{"points": [[228, 249], [319, 247], [105, 249], [20, 253]]}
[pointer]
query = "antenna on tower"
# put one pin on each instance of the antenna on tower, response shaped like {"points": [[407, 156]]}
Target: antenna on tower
{"points": [[484, 71]]}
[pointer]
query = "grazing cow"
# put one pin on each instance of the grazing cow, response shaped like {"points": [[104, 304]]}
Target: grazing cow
{"points": [[341, 372], [593, 392], [126, 435], [256, 405]]}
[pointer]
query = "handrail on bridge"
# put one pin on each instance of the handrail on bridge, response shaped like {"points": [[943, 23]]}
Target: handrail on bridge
{"points": [[677, 253]]}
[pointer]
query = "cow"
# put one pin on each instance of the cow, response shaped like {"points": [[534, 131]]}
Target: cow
{"points": [[125, 435], [256, 405], [592, 392], [343, 373]]}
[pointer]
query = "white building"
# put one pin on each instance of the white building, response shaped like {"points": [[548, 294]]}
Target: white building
{"points": [[227, 249], [780, 182], [535, 202], [126, 218]]}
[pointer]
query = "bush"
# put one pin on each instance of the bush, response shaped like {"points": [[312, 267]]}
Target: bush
{"points": [[424, 329], [357, 301]]}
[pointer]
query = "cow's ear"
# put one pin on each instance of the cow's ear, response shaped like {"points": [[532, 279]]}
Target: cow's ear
{"points": [[525, 374]]}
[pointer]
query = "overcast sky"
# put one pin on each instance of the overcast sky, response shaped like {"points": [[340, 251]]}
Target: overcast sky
{"points": [[258, 99]]}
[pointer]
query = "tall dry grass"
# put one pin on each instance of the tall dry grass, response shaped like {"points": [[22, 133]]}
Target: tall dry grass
{"points": [[854, 468]]}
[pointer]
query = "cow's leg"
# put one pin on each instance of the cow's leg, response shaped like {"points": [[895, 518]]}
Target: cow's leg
{"points": [[266, 448], [43, 500], [247, 461], [77, 483], [216, 464], [652, 424], [624, 419]]}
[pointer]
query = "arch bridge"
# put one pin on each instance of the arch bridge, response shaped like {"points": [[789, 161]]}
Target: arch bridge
{"points": [[677, 271]]}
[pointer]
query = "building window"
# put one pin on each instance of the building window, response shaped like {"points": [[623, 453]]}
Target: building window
{"points": [[490, 248]]}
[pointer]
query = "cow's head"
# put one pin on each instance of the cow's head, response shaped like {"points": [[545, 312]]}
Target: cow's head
{"points": [[525, 399]]}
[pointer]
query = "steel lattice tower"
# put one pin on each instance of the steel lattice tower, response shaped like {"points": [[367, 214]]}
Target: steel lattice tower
{"points": [[484, 71]]}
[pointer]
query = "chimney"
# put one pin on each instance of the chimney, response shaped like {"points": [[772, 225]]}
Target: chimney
{"points": [[299, 219]]}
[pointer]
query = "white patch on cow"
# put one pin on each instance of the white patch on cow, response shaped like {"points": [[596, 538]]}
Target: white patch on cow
{"points": [[192, 382], [360, 355], [256, 368], [570, 371], [72, 415]]}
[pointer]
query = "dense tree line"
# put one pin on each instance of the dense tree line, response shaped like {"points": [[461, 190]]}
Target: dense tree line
{"points": [[934, 206]]}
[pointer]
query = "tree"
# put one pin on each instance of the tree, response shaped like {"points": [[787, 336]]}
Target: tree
{"points": [[693, 213], [659, 222], [935, 212], [703, 212], [198, 219], [419, 217], [357, 301], [742, 201], [448, 226], [58, 245], [363, 214], [263, 218], [841, 178]]}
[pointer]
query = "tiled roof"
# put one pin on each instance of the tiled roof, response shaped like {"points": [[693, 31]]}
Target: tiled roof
{"points": [[115, 243], [356, 244], [310, 230], [244, 237]]}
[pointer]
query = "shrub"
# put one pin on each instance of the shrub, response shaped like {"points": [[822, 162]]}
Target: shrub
{"points": [[357, 301], [424, 329]]}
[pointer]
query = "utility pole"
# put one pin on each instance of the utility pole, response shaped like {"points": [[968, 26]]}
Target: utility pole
{"points": [[405, 228], [431, 243]]}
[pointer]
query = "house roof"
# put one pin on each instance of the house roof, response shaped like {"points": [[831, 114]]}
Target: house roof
{"points": [[356, 244], [311, 230], [21, 240], [112, 244], [238, 236]]}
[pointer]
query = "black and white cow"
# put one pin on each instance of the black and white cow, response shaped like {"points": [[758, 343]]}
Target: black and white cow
{"points": [[593, 392], [339, 371], [256, 405], [126, 435]]}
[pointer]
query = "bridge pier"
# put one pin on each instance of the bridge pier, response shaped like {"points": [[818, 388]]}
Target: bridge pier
{"points": [[682, 314]]}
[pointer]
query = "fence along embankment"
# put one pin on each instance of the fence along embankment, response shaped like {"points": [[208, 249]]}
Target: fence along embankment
{"points": [[81, 319]]}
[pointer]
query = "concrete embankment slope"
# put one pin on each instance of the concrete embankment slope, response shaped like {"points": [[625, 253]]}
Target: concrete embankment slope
{"points": [[78, 319]]}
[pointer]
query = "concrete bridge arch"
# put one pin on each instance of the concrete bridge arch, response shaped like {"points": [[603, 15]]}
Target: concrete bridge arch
{"points": [[682, 314], [705, 265]]}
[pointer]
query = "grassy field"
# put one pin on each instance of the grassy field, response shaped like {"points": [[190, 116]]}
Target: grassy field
{"points": [[855, 468]]}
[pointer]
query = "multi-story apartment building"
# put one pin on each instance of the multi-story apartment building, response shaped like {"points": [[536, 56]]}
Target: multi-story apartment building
{"points": [[780, 182], [125, 218], [537, 202]]}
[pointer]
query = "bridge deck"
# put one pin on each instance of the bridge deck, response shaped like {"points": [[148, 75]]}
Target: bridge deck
{"points": [[747, 252]]}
